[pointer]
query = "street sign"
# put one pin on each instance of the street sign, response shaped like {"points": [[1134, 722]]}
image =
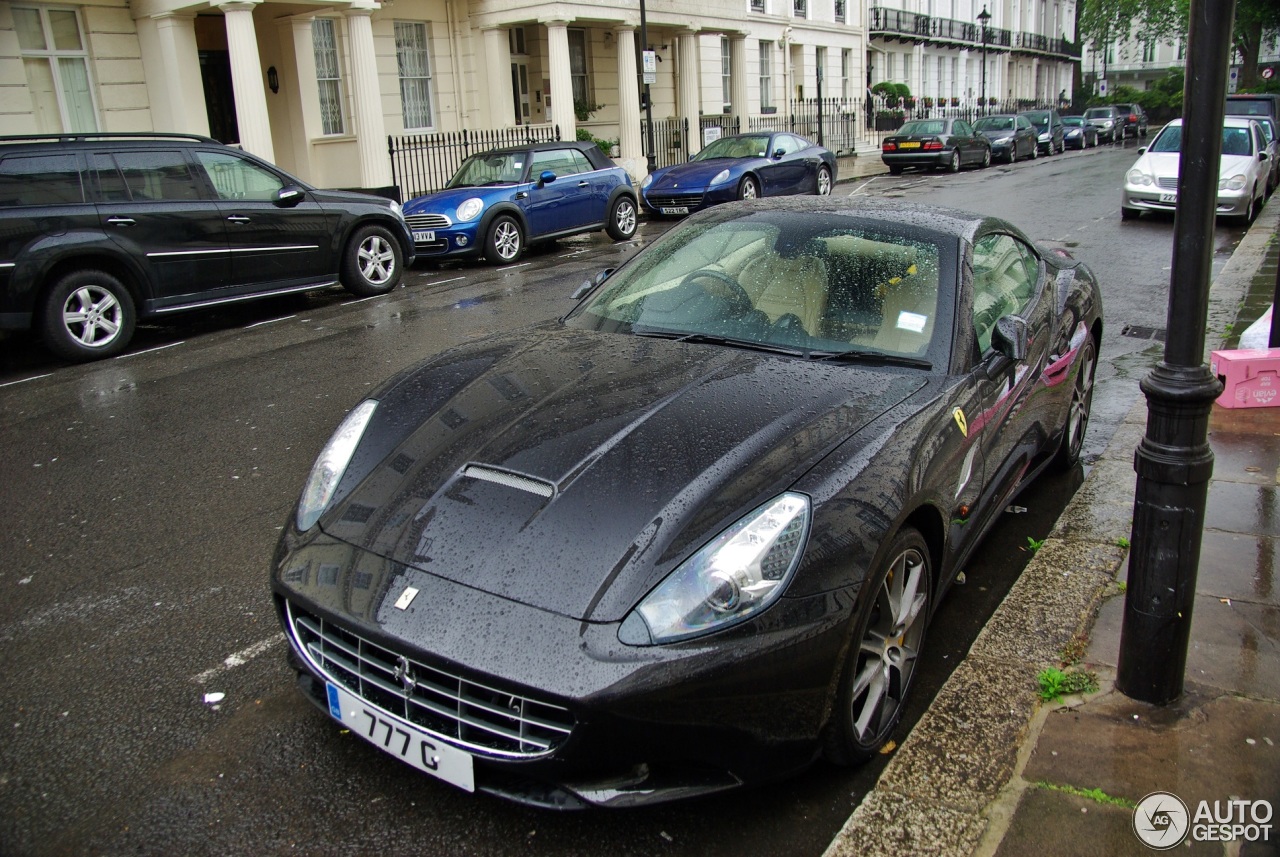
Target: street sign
{"points": [[1102, 87], [1268, 72], [649, 66]]}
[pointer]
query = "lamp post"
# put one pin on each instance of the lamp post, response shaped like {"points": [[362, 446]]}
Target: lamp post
{"points": [[651, 159], [984, 18]]}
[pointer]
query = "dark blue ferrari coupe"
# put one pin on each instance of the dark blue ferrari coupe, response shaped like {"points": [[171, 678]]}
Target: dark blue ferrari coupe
{"points": [[744, 166]]}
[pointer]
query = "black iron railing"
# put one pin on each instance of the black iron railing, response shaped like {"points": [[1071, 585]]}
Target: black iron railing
{"points": [[424, 163]]}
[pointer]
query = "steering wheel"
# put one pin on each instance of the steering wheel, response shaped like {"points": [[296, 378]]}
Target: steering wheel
{"points": [[724, 287]]}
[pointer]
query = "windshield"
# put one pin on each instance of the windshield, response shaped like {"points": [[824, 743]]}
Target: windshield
{"points": [[994, 123], [936, 126], [807, 284], [1249, 107], [1235, 141], [1075, 121], [1098, 113], [490, 168], [748, 146], [1040, 120]]}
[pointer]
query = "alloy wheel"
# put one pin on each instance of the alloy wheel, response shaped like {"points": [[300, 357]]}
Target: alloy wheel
{"points": [[92, 316], [376, 259]]}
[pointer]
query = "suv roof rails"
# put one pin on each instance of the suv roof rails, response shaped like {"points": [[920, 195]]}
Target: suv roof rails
{"points": [[110, 135]]}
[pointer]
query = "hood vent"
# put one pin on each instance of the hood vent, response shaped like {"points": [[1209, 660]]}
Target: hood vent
{"points": [[510, 480]]}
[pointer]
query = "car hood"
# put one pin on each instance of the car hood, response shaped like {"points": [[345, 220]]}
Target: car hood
{"points": [[992, 134], [694, 173], [1166, 164], [572, 470], [447, 201]]}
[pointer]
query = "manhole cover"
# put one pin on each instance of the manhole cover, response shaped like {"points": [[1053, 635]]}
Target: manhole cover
{"points": [[1139, 332]]}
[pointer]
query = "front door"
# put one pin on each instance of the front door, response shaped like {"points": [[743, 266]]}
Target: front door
{"points": [[520, 91]]}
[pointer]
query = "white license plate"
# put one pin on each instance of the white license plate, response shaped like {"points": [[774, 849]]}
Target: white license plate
{"points": [[1169, 197], [679, 209], [423, 237], [402, 740]]}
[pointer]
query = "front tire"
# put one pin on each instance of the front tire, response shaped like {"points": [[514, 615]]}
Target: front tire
{"points": [[1129, 213], [88, 315], [505, 242], [621, 224], [824, 182], [1077, 419], [372, 263], [986, 158], [886, 644], [748, 189], [1013, 154]]}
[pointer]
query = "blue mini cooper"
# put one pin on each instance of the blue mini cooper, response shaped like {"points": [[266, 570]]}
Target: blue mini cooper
{"points": [[500, 201]]}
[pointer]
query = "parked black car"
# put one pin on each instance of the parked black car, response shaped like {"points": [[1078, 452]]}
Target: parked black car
{"points": [[691, 535], [1011, 136], [1135, 119], [99, 230], [928, 143], [1050, 132], [1108, 120], [1078, 134]]}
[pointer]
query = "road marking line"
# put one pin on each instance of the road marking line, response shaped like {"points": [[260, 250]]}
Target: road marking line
{"points": [[239, 658], [863, 186], [269, 321], [24, 380], [149, 350], [442, 282], [509, 267]]}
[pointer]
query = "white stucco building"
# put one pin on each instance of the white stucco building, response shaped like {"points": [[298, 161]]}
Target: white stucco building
{"points": [[318, 86]]}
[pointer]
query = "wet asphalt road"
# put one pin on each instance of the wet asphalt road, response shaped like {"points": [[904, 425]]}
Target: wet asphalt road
{"points": [[143, 496]]}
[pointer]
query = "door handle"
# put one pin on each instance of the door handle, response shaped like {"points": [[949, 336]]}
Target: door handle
{"points": [[239, 218], [120, 221], [584, 183]]}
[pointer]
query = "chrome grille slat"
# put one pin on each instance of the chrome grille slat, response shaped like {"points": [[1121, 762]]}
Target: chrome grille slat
{"points": [[1167, 182], [428, 221], [486, 720]]}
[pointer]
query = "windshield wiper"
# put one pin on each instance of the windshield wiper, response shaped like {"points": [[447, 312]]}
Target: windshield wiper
{"points": [[714, 339], [875, 358]]}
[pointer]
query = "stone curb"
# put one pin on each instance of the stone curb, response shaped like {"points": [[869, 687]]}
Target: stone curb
{"points": [[938, 794]]}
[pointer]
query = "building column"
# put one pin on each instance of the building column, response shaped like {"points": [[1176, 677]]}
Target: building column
{"points": [[300, 89], [366, 98], [501, 102], [630, 144], [561, 79], [171, 63], [689, 87], [738, 80], [246, 79]]}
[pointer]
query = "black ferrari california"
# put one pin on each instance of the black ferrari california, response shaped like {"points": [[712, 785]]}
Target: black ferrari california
{"points": [[689, 536]]}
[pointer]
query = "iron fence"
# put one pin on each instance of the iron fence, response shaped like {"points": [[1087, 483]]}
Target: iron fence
{"points": [[670, 144], [424, 163]]}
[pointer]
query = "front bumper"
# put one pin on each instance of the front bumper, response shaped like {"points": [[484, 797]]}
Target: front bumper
{"points": [[460, 239], [649, 724], [669, 202], [1230, 203]]}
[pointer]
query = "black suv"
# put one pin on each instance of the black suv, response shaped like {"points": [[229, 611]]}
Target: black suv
{"points": [[1135, 120], [99, 230]]}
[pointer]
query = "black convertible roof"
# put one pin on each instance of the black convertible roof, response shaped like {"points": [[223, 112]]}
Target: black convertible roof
{"points": [[588, 149]]}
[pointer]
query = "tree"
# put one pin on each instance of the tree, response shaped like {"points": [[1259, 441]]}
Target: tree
{"points": [[1255, 20]]}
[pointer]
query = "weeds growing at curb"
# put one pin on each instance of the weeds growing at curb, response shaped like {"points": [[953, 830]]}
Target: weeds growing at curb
{"points": [[1055, 684], [1122, 542], [1073, 651], [1123, 586], [1034, 544], [1095, 795]]}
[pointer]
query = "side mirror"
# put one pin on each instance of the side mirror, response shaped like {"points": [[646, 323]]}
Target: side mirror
{"points": [[546, 177], [588, 285], [778, 154], [288, 197], [1010, 337], [1262, 156], [1142, 150]]}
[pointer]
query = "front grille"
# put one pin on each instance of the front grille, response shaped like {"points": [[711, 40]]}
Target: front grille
{"points": [[675, 200], [478, 717], [428, 221], [1167, 182]]}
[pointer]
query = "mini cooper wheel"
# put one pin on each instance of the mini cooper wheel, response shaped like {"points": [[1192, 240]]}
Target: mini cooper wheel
{"points": [[1077, 420], [88, 315], [505, 241], [884, 651], [621, 224], [372, 263], [824, 181], [748, 189]]}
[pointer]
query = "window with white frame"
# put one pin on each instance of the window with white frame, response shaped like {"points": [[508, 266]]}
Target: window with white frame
{"points": [[726, 87], [846, 69], [766, 76], [578, 70], [820, 65], [413, 61], [840, 12], [800, 8], [1148, 51], [757, 5], [324, 42], [52, 45]]}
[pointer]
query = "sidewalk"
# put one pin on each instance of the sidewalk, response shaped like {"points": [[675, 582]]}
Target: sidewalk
{"points": [[991, 770]]}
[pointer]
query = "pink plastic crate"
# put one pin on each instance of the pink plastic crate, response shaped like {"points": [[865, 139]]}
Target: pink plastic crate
{"points": [[1251, 377]]}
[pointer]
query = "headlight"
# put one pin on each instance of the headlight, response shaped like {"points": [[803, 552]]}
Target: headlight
{"points": [[395, 207], [1107, 124], [646, 181], [470, 209], [720, 177], [1044, 138], [736, 575], [332, 462], [1138, 177], [1236, 182], [1004, 140]]}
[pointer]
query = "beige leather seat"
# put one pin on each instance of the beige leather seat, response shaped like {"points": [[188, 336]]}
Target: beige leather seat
{"points": [[910, 305], [779, 286]]}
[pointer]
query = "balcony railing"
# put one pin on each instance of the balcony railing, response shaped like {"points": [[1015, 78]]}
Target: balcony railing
{"points": [[897, 23]]}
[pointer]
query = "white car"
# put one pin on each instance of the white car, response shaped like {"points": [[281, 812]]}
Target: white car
{"points": [[1152, 183]]}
